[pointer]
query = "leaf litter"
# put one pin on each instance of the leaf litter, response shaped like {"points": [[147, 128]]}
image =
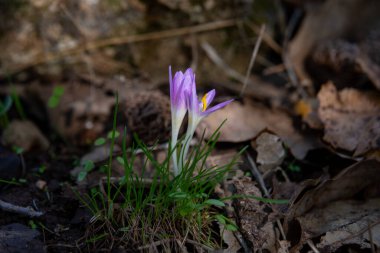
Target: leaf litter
{"points": [[336, 211]]}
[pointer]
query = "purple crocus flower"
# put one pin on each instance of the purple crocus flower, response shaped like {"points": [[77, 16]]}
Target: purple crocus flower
{"points": [[180, 85], [197, 111]]}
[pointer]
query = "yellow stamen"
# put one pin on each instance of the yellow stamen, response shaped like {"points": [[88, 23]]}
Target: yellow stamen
{"points": [[204, 103]]}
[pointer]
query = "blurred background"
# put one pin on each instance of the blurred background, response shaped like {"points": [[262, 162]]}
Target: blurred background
{"points": [[63, 61]]}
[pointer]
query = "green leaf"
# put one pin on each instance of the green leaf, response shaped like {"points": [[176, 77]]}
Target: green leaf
{"points": [[221, 219], [88, 165], [103, 168], [59, 90], [32, 224], [120, 160], [18, 150], [22, 180], [294, 168], [124, 229], [265, 200], [41, 169], [100, 141], [109, 135], [82, 175], [56, 96], [214, 202], [178, 195], [231, 227]]}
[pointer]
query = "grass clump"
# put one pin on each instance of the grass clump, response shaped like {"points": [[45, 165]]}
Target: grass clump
{"points": [[166, 211], [161, 212]]}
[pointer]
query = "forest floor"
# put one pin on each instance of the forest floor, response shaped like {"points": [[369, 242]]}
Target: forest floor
{"points": [[78, 80]]}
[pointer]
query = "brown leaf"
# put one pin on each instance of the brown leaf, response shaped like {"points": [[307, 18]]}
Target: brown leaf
{"points": [[270, 151], [351, 118], [229, 238], [345, 222], [333, 206], [245, 121]]}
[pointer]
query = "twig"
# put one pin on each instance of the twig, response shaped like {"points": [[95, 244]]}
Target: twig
{"points": [[260, 180], [253, 58], [262, 90], [88, 46], [371, 238], [312, 246], [215, 58], [205, 247], [27, 211], [285, 58], [274, 69], [362, 231], [266, 38], [155, 244], [256, 173]]}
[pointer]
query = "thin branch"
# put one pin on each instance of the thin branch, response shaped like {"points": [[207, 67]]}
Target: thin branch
{"points": [[266, 38], [217, 60], [27, 211], [261, 89], [92, 45], [256, 173], [312, 246], [253, 58]]}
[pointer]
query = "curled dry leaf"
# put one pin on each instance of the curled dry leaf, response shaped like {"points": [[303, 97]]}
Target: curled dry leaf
{"points": [[229, 238], [246, 120], [340, 209], [351, 118]]}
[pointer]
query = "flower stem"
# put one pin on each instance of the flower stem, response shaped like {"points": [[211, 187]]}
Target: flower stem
{"points": [[173, 145]]}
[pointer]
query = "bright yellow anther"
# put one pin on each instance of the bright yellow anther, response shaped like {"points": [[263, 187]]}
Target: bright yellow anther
{"points": [[204, 102]]}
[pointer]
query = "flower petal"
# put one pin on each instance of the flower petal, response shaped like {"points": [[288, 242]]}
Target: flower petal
{"points": [[171, 84], [188, 79], [209, 97], [216, 107], [194, 106]]}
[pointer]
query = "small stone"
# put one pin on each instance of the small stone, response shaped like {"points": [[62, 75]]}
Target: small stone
{"points": [[41, 184]]}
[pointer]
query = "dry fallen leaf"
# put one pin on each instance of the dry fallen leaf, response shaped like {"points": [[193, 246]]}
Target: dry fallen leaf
{"points": [[222, 158], [351, 118], [345, 222], [230, 239], [270, 151], [339, 209], [246, 120]]}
